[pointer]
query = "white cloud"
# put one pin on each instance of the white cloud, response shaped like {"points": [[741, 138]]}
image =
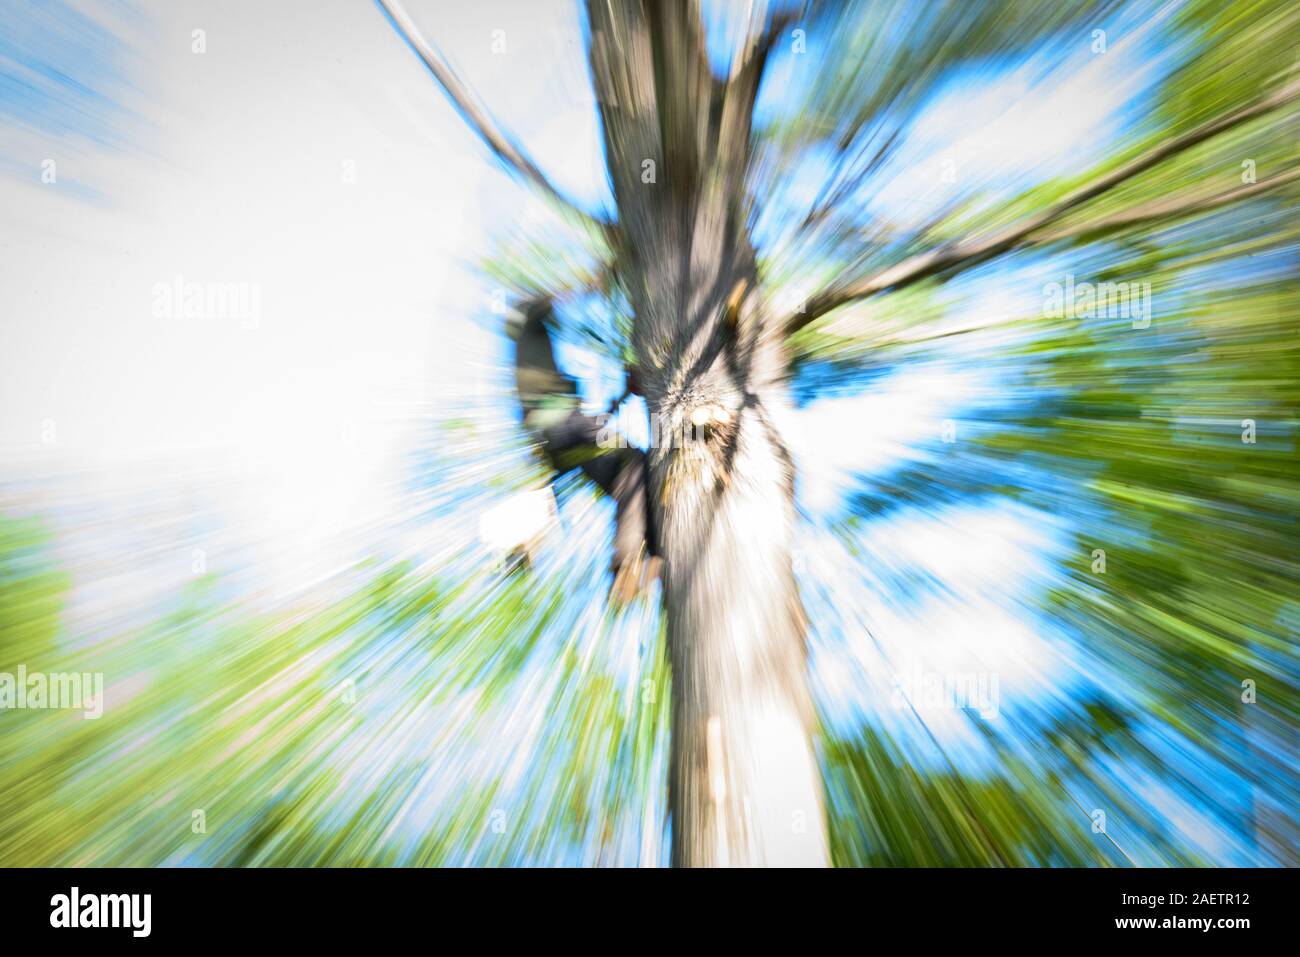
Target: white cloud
{"points": [[834, 440]]}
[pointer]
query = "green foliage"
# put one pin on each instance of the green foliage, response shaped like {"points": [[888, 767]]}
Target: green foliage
{"points": [[282, 729]]}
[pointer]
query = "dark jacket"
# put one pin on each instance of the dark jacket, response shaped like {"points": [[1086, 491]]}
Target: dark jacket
{"points": [[538, 380]]}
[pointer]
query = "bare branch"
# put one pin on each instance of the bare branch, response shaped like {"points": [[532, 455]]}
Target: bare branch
{"points": [[978, 250], [1158, 211], [1163, 209], [477, 117], [756, 46], [738, 94], [831, 194]]}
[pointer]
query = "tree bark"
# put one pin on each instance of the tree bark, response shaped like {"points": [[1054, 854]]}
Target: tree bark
{"points": [[744, 786], [744, 782]]}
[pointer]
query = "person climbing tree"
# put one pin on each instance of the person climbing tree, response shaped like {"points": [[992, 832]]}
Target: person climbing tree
{"points": [[552, 413]]}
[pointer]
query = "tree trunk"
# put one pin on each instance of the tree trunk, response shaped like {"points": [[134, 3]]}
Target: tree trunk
{"points": [[744, 787], [744, 783]]}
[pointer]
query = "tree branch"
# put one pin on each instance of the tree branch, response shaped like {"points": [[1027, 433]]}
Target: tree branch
{"points": [[1157, 211], [756, 47], [477, 117], [978, 250], [738, 93], [1163, 209], [683, 85]]}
